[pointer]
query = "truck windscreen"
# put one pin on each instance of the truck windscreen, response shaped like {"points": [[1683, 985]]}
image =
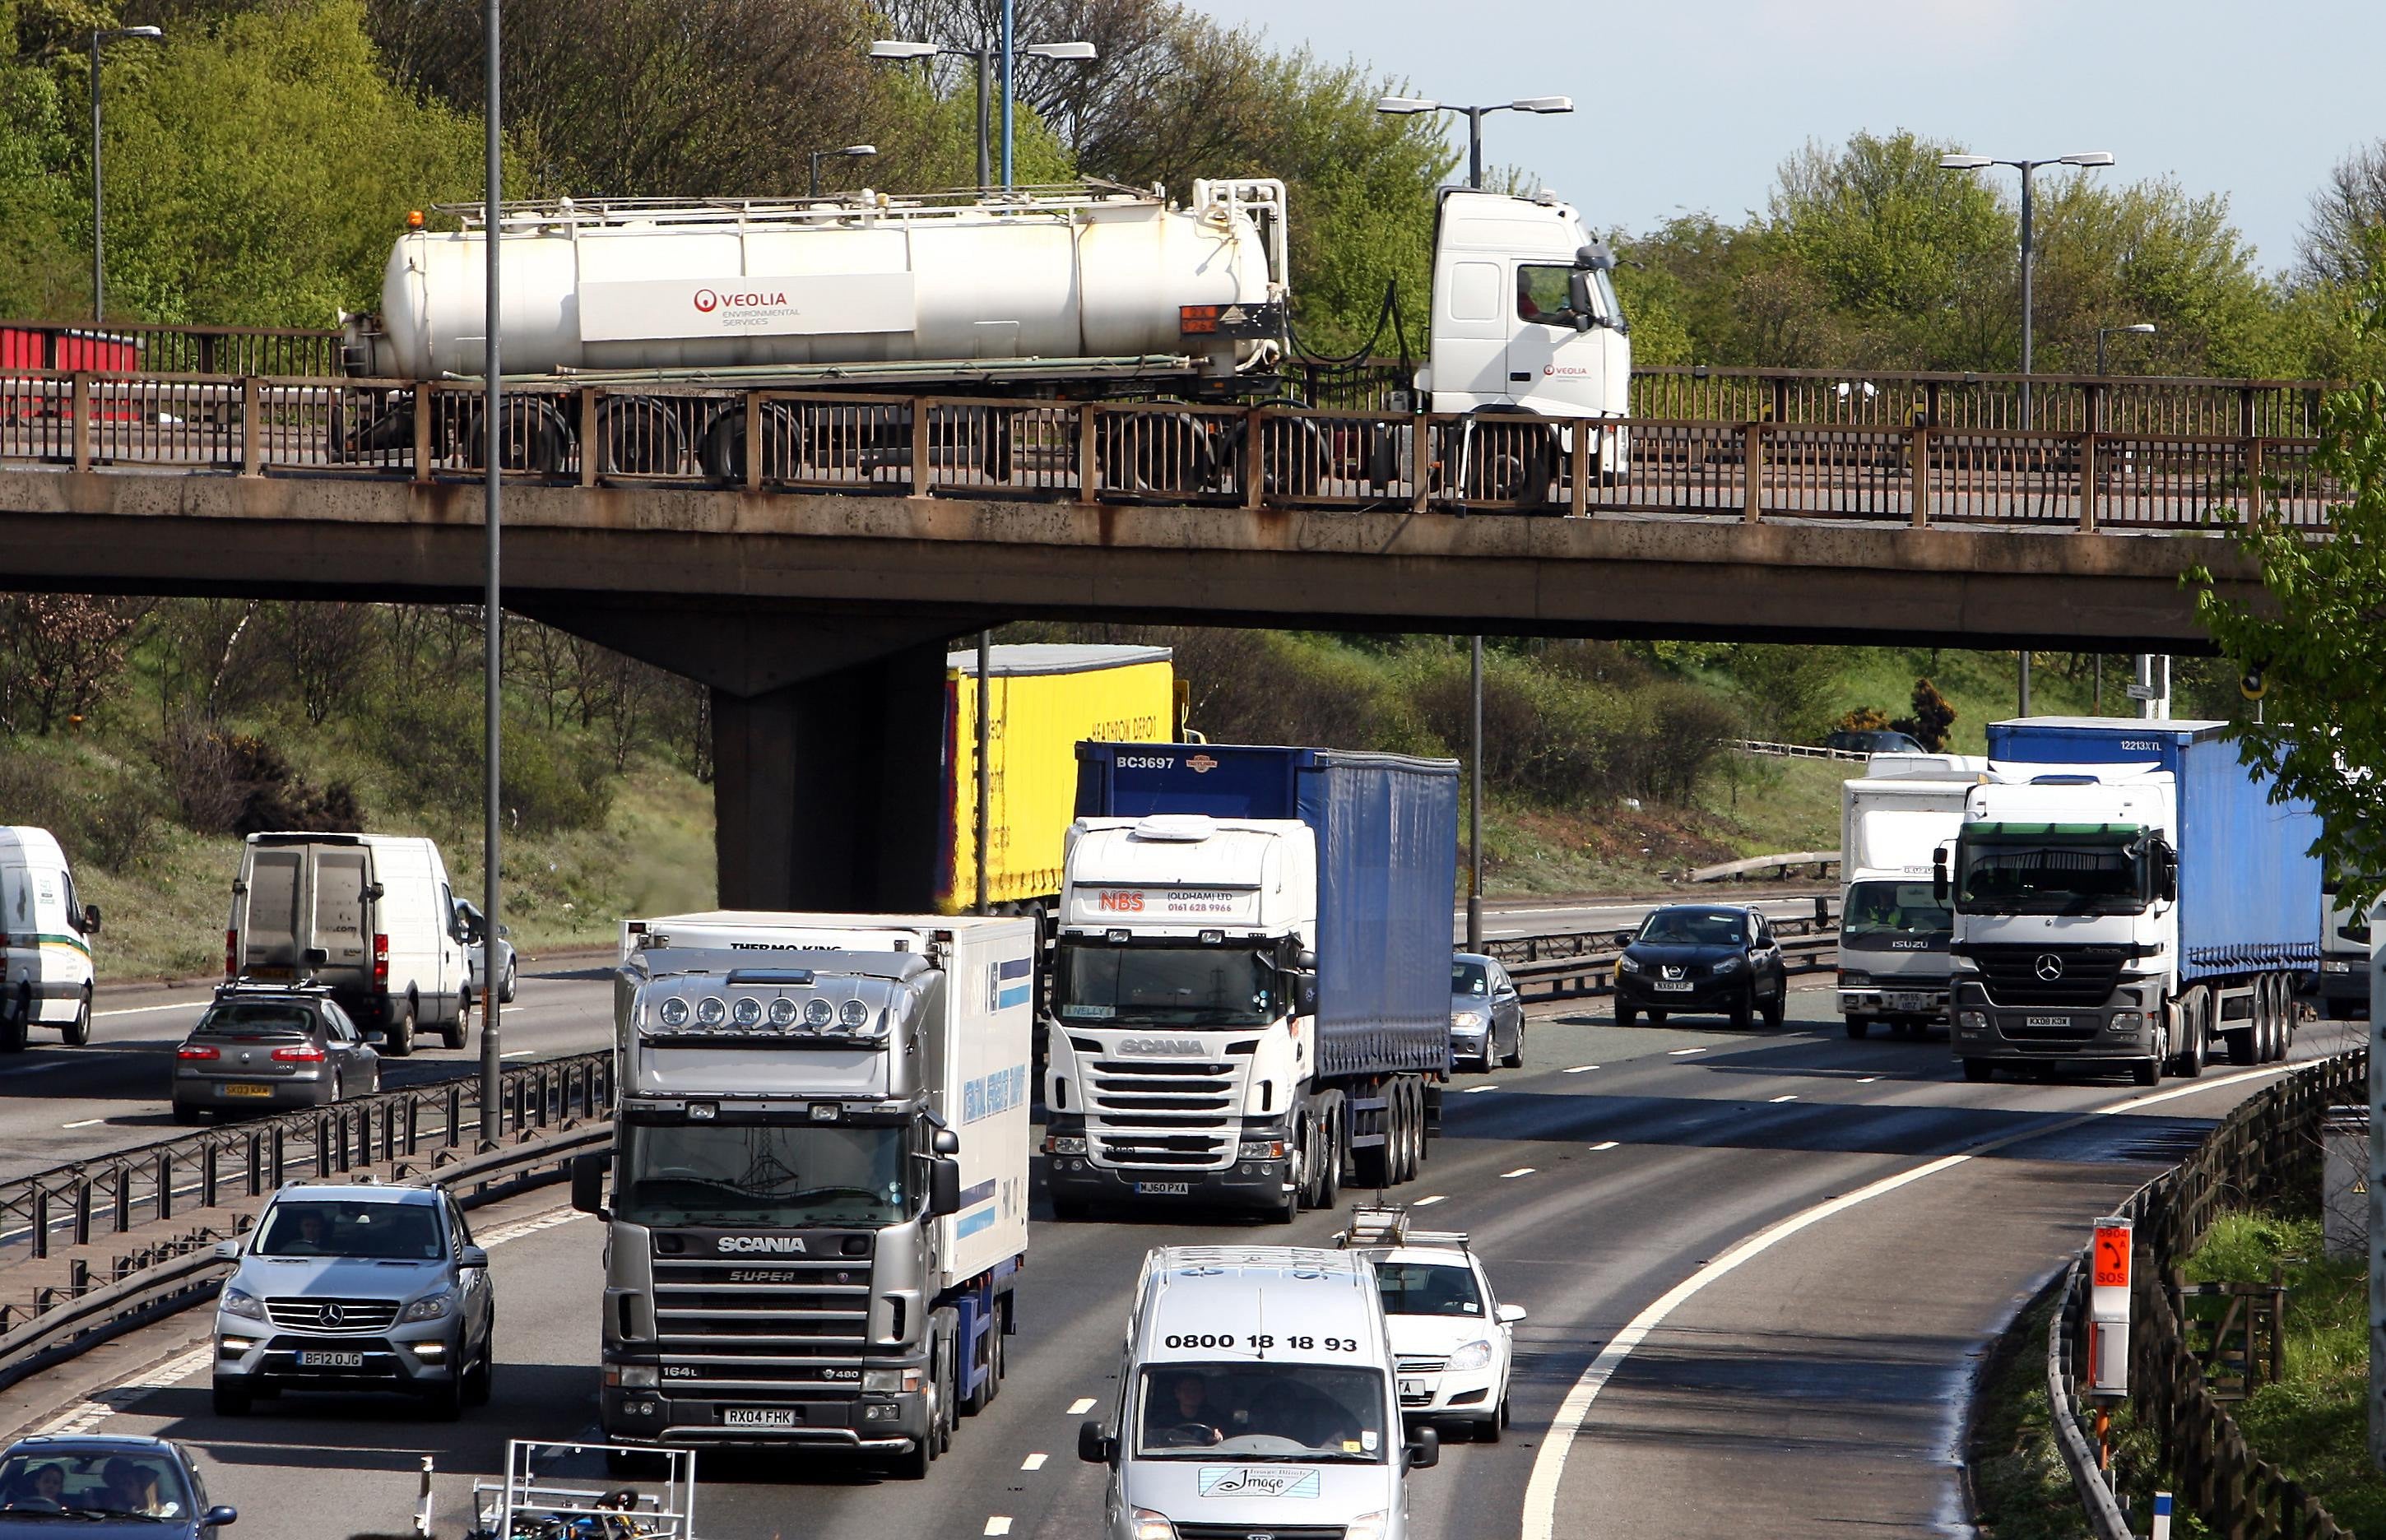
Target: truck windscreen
{"points": [[2082, 875], [1894, 911], [765, 1174], [1178, 987]]}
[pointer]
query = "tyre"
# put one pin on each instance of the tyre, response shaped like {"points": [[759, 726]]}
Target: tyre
{"points": [[482, 1384], [1624, 1014], [1656, 1018], [1859, 1027], [506, 991], [78, 1032], [2245, 1043], [1070, 1209], [398, 1039], [339, 1089], [1979, 1071], [1778, 1011], [14, 1024], [1485, 1432], [913, 1465], [186, 1115], [231, 1400], [628, 1464], [458, 1032], [2187, 1063], [1331, 1145], [1370, 1164], [1515, 1058], [2146, 1071], [1743, 1011], [444, 1402]]}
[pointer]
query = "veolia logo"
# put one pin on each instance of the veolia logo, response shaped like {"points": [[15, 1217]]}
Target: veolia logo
{"points": [[705, 300]]}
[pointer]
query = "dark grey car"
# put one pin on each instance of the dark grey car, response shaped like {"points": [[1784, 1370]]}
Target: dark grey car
{"points": [[106, 1487], [270, 1047], [1487, 1015]]}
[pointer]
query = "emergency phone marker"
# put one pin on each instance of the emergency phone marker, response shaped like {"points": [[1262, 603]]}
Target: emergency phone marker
{"points": [[2109, 1324]]}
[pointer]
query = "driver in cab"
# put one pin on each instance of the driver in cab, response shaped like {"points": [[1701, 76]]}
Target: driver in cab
{"points": [[1184, 1419]]}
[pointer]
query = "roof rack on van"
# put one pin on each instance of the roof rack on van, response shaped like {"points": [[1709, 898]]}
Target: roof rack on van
{"points": [[1388, 1224]]}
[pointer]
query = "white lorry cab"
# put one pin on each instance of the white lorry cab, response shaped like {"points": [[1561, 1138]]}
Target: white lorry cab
{"points": [[1256, 1396], [373, 917], [45, 936]]}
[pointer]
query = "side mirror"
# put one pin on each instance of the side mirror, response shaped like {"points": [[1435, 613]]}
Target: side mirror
{"points": [[943, 1142], [1624, 938], [374, 891], [588, 1184], [1304, 994], [1305, 960], [1584, 321], [91, 919], [1940, 887], [472, 1256], [944, 1188], [2165, 874], [227, 1251], [219, 1515], [1423, 1450], [1508, 1315], [1095, 1447]]}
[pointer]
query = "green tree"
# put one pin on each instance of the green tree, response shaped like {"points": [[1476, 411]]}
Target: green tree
{"points": [[2114, 254]]}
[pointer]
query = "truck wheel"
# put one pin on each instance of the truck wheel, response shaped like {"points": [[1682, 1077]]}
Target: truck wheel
{"points": [[1860, 1027], [2194, 1018], [2146, 1071], [2246, 1044], [1413, 1130], [1370, 1163], [1070, 1209], [398, 1036], [1336, 1148], [78, 1032], [2282, 1017], [1979, 1071]]}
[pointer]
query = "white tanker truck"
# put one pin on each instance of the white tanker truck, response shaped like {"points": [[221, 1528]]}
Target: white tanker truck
{"points": [[1102, 292]]}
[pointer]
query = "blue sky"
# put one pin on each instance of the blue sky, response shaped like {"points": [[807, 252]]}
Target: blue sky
{"points": [[1691, 104]]}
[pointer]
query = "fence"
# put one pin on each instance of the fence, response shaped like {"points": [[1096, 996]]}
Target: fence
{"points": [[2266, 1148], [85, 1246], [139, 345], [1578, 963]]}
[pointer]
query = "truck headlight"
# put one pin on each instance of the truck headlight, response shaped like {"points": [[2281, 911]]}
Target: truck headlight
{"points": [[1144, 1524], [889, 1382], [1064, 1144], [428, 1309], [1475, 1355], [634, 1376], [1855, 981], [1972, 1020], [1626, 964], [2336, 968], [241, 1302], [2127, 1021], [1260, 1149]]}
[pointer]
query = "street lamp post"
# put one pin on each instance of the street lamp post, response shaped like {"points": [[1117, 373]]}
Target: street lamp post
{"points": [[1979, 162], [1405, 106], [896, 48], [98, 277], [491, 615], [853, 152], [2142, 329]]}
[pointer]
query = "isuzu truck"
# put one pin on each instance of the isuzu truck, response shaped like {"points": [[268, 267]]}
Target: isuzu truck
{"points": [[2126, 896], [818, 1203], [1893, 930], [1252, 990]]}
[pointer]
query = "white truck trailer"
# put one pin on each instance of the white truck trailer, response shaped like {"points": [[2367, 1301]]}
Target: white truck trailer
{"points": [[819, 1188]]}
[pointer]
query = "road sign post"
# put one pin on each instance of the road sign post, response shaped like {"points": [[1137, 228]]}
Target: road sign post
{"points": [[2108, 1309]]}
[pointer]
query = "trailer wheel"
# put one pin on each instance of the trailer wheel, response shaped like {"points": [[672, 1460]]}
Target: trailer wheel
{"points": [[1370, 1164], [2250, 1044], [640, 436]]}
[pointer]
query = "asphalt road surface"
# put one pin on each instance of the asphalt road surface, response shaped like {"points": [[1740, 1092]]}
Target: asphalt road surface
{"points": [[1760, 1269]]}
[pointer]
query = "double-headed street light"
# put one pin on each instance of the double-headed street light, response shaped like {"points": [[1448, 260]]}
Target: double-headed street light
{"points": [[1409, 105], [853, 152], [903, 49], [1982, 162], [98, 278]]}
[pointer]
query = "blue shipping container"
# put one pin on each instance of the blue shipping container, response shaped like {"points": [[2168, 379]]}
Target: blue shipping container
{"points": [[2248, 877], [1386, 828]]}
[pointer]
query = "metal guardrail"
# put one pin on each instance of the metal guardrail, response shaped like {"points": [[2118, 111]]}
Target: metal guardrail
{"points": [[1575, 964], [2266, 1147], [62, 1281], [1272, 457], [1781, 863], [1798, 751]]}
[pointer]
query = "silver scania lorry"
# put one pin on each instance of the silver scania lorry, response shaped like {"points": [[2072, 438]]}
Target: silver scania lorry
{"points": [[817, 1192]]}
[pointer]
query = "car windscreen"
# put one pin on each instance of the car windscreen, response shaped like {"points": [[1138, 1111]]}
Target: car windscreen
{"points": [[1428, 1288], [93, 1483], [1694, 927], [1261, 1410], [255, 1019], [1470, 978], [332, 1227]]}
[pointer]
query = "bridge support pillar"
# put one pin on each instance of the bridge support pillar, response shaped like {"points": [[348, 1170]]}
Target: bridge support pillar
{"points": [[829, 794]]}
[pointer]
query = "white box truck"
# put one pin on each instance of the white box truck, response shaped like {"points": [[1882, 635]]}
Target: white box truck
{"points": [[1893, 930], [45, 936], [818, 1201]]}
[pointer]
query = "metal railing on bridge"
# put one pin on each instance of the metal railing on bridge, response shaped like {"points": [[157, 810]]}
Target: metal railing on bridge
{"points": [[1162, 452]]}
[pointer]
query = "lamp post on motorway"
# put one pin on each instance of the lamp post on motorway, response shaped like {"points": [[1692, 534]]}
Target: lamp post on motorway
{"points": [[491, 615], [98, 277], [853, 152], [1409, 107], [2146, 666], [2141, 328], [896, 48], [1980, 162]]}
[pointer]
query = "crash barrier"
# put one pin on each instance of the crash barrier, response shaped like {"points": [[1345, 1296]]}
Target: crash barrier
{"points": [[1798, 751], [88, 1248], [1578, 963], [1921, 473], [1782, 865], [2265, 1150]]}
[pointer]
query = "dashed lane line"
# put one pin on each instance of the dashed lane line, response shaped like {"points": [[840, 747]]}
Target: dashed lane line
{"points": [[1676, 1053], [1521, 1171], [1778, 1100], [1034, 1462], [1424, 1202], [1581, 1069], [1477, 1090], [998, 1524], [87, 1122], [1603, 1144], [1081, 1405]]}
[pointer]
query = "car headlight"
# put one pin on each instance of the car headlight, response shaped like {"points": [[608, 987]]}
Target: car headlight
{"points": [[1628, 964], [1475, 1355], [240, 1302], [1468, 1020], [1726, 965], [1367, 1526], [1144, 1524], [430, 1307]]}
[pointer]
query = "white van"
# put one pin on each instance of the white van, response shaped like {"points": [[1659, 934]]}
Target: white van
{"points": [[372, 916], [46, 934], [1256, 1397]]}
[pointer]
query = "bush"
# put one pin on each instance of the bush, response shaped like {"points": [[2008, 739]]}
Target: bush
{"points": [[1863, 719], [102, 814], [1932, 717], [237, 784], [433, 748]]}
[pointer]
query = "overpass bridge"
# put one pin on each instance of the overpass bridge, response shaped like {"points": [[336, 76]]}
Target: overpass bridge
{"points": [[809, 554]]}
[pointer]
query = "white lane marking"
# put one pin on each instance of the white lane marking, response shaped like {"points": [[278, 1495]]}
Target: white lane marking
{"points": [[87, 1122], [1034, 1462], [1549, 1462], [518, 1053], [1081, 1405], [1866, 1081], [1477, 1090], [144, 1011], [1603, 1144], [1778, 1101], [997, 1525], [1582, 1069], [1521, 1171], [1436, 1197], [1676, 1053]]}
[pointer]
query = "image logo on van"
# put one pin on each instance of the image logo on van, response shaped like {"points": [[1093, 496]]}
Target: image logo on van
{"points": [[1258, 1480]]}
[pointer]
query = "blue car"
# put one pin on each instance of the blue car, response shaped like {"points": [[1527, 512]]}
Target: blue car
{"points": [[105, 1489]]}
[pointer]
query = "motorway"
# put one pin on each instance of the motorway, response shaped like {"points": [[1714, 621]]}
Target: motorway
{"points": [[1760, 1269]]}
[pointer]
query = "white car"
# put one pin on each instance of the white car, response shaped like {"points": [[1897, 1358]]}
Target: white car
{"points": [[470, 928], [1453, 1341]]}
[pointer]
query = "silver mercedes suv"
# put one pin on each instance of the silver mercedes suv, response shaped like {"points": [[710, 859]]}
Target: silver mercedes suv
{"points": [[351, 1287]]}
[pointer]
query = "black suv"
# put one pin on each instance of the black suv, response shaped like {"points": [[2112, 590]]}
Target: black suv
{"points": [[1701, 960], [264, 1046], [1878, 740]]}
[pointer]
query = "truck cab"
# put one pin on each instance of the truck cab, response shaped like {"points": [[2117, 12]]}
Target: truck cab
{"points": [[2345, 961], [1256, 1396], [1894, 930]]}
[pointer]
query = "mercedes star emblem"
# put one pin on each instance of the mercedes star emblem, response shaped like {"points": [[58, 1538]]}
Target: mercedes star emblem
{"points": [[333, 1315], [2050, 967]]}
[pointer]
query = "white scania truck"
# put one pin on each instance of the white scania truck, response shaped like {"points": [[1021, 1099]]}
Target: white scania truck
{"points": [[1893, 929], [1072, 295], [818, 1203]]}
